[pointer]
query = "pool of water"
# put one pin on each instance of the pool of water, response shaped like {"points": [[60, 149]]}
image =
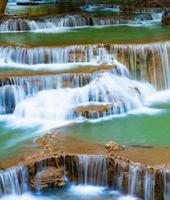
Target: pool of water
{"points": [[79, 192], [148, 127], [13, 139], [114, 34]]}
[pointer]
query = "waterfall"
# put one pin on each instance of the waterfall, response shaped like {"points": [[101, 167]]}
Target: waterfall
{"points": [[166, 183], [134, 179], [137, 181], [92, 170], [147, 63], [15, 89], [149, 184], [60, 104], [43, 23], [75, 20], [70, 54], [10, 95], [69, 96], [13, 181]]}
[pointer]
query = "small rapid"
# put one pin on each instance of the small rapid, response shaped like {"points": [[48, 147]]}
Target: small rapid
{"points": [[74, 21], [146, 63]]}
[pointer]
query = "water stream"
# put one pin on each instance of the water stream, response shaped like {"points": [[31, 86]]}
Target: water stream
{"points": [[107, 89], [77, 20]]}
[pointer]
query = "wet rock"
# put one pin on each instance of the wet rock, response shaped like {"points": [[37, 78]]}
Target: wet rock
{"points": [[49, 177], [15, 25], [93, 111], [113, 146], [166, 19]]}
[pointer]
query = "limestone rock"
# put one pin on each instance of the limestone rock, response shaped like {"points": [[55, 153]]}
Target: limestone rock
{"points": [[47, 178], [113, 146]]}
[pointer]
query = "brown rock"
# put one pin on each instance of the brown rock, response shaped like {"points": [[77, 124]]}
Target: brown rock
{"points": [[113, 146], [166, 20], [47, 178]]}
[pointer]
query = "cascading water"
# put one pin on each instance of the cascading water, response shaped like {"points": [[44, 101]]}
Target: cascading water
{"points": [[92, 170], [149, 184], [46, 23], [166, 183], [134, 181], [77, 96], [13, 90], [69, 21], [149, 63], [60, 104], [13, 181], [10, 95], [87, 89], [72, 54]]}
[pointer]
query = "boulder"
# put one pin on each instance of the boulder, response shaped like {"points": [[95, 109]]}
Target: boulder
{"points": [[113, 146], [48, 177]]}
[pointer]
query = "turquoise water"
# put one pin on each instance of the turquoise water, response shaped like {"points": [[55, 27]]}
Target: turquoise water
{"points": [[131, 129], [13, 139]]}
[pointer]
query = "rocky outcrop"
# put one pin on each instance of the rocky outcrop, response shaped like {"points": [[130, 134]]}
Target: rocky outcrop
{"points": [[93, 111], [113, 171], [113, 146], [48, 177]]}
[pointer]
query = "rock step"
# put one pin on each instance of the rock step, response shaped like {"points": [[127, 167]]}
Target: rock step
{"points": [[112, 171]]}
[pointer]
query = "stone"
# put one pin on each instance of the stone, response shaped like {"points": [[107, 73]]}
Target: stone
{"points": [[113, 146], [48, 177], [166, 20]]}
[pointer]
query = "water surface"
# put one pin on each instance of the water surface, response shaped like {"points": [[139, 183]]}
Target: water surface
{"points": [[114, 34], [131, 129]]}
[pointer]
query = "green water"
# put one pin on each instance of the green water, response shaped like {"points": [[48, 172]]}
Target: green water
{"points": [[132, 129], [115, 34], [12, 139]]}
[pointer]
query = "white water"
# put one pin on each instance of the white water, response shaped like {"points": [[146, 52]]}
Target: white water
{"points": [[70, 21], [137, 58], [92, 170], [86, 193], [57, 105], [13, 181], [166, 180], [149, 184], [52, 100], [72, 54], [133, 179]]}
